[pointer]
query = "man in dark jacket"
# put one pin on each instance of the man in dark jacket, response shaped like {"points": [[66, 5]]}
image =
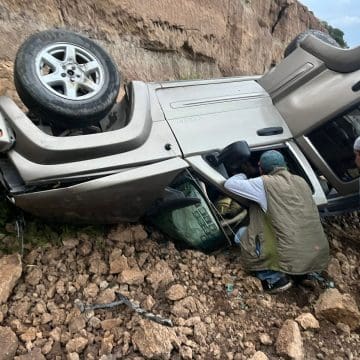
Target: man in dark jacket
{"points": [[285, 236]]}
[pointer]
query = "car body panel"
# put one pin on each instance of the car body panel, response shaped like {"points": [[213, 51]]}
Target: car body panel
{"points": [[335, 58], [153, 150], [314, 85], [42, 148], [308, 106], [291, 73], [7, 137], [218, 114], [302, 97], [109, 199]]}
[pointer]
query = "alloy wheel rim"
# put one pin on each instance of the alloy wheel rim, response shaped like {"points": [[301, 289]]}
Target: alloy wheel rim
{"points": [[69, 71]]}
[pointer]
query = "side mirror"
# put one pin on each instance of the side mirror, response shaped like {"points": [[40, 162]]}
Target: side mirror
{"points": [[237, 152]]}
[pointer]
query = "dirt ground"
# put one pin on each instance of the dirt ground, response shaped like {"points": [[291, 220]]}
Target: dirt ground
{"points": [[218, 311]]}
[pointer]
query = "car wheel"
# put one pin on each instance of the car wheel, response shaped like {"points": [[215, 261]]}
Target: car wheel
{"points": [[65, 78], [317, 33]]}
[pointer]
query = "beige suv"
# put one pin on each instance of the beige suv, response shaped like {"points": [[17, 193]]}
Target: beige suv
{"points": [[75, 160]]}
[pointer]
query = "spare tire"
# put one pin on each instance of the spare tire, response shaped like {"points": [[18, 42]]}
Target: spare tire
{"points": [[317, 33], [65, 78]]}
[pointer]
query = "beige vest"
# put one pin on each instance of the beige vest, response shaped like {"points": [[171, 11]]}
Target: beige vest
{"points": [[289, 237]]}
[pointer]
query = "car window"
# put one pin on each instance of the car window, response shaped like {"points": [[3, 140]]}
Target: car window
{"points": [[252, 168], [334, 142]]}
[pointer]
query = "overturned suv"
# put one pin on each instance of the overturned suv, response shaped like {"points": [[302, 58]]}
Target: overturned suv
{"points": [[165, 150]]}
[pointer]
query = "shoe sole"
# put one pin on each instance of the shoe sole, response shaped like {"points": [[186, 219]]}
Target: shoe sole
{"points": [[281, 288]]}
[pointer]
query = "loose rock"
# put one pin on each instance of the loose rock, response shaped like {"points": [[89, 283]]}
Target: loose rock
{"points": [[11, 269], [132, 277], [176, 292], [34, 354], [265, 339], [307, 321], [76, 345], [8, 343], [78, 323], [118, 262], [34, 276], [109, 324], [337, 307], [289, 342], [161, 276], [186, 353], [154, 340], [259, 355]]}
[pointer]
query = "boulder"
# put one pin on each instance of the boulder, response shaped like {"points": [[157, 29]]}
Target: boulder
{"points": [[73, 356], [289, 342], [29, 334], [154, 340], [337, 307], [252, 284], [259, 355], [185, 307], [148, 303], [107, 296], [34, 354], [97, 264], [334, 271], [107, 344], [139, 233], [132, 277], [91, 290], [77, 344], [118, 262], [76, 324], [344, 328], [109, 324], [34, 276], [70, 243], [265, 339], [161, 276], [176, 292], [307, 321], [186, 352], [11, 269], [8, 343], [121, 234]]}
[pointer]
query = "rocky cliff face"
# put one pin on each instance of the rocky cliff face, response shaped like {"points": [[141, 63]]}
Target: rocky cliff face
{"points": [[163, 39]]}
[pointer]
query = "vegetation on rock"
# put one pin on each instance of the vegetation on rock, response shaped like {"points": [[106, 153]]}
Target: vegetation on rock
{"points": [[336, 34]]}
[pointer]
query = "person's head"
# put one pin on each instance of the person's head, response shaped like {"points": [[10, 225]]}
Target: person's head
{"points": [[249, 169], [357, 152], [270, 160]]}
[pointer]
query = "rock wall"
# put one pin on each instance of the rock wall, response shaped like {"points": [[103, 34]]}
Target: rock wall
{"points": [[163, 39]]}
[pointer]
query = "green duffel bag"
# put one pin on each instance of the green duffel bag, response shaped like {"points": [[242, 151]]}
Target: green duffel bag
{"points": [[194, 225]]}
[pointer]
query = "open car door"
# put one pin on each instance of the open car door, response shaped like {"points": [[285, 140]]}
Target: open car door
{"points": [[317, 91]]}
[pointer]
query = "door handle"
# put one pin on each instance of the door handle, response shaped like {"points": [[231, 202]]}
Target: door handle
{"points": [[275, 130]]}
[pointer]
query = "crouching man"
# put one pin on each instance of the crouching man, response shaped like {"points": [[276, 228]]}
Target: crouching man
{"points": [[285, 236]]}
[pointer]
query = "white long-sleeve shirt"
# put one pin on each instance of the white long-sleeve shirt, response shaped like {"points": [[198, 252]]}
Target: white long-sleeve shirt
{"points": [[252, 189]]}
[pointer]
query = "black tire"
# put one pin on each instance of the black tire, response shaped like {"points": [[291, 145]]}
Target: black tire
{"points": [[317, 33], [53, 103]]}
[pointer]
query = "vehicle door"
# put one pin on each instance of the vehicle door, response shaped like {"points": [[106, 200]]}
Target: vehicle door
{"points": [[212, 179], [320, 102]]}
